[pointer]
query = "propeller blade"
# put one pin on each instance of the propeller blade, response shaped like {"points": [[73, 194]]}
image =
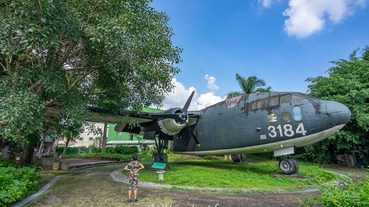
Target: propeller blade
{"points": [[188, 102], [193, 135]]}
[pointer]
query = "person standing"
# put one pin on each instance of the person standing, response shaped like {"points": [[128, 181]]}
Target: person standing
{"points": [[133, 167]]}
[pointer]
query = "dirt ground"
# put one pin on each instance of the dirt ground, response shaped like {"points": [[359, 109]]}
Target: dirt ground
{"points": [[94, 187]]}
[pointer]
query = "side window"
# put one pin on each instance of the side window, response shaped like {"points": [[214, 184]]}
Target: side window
{"points": [[297, 113], [286, 115]]}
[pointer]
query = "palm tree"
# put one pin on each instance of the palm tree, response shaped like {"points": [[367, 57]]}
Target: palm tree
{"points": [[249, 85]]}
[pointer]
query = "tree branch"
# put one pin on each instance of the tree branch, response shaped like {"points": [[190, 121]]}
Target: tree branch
{"points": [[82, 68], [67, 53], [93, 11], [81, 78]]}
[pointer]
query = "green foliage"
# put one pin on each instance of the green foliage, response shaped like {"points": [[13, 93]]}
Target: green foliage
{"points": [[99, 156], [346, 196], [249, 85], [124, 150], [59, 56], [15, 184], [347, 83], [70, 150]]}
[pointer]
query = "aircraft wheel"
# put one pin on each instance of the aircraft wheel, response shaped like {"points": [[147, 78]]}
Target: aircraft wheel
{"points": [[296, 164], [287, 166], [238, 158], [243, 157]]}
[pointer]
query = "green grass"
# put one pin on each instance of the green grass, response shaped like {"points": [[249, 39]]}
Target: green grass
{"points": [[224, 174]]}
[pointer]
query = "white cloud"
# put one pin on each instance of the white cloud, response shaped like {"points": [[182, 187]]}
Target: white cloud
{"points": [[267, 3], [211, 82], [179, 96], [306, 17], [207, 99]]}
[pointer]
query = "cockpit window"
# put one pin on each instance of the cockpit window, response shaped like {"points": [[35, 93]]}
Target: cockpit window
{"points": [[286, 116], [285, 99], [297, 113]]}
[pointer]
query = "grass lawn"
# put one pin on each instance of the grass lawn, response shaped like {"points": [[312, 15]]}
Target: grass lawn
{"points": [[225, 174]]}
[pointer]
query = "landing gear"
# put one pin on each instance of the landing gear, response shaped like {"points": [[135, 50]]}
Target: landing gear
{"points": [[288, 166], [160, 156], [238, 158], [156, 157]]}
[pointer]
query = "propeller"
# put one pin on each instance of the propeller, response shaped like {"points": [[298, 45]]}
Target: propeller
{"points": [[184, 117]]}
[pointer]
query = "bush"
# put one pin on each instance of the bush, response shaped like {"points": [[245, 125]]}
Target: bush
{"points": [[99, 156], [346, 196], [126, 150], [70, 150], [16, 184]]}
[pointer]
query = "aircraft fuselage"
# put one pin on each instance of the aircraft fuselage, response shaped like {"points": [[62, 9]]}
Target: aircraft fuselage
{"points": [[262, 122]]}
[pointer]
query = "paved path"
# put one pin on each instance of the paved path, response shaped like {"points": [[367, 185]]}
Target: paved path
{"points": [[76, 189]]}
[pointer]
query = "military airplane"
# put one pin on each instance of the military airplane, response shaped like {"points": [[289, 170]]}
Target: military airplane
{"points": [[279, 122]]}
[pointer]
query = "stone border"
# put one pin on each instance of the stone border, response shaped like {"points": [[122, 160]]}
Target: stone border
{"points": [[38, 193], [117, 176]]}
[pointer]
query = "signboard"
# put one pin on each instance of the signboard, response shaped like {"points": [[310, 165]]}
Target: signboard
{"points": [[158, 165]]}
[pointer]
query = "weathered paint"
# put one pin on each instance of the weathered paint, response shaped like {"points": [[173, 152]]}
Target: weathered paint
{"points": [[242, 122]]}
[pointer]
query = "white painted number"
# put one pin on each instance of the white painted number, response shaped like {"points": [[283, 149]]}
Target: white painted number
{"points": [[272, 133], [286, 130], [300, 129]]}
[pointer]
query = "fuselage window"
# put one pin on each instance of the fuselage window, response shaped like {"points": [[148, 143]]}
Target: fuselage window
{"points": [[286, 116], [297, 113]]}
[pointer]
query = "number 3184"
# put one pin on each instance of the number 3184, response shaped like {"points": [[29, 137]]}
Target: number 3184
{"points": [[286, 130]]}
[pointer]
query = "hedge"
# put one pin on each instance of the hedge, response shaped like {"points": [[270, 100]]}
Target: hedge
{"points": [[16, 184]]}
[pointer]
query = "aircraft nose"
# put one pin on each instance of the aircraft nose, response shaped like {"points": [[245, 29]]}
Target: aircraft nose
{"points": [[339, 113]]}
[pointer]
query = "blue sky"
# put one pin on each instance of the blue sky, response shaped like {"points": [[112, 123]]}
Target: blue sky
{"points": [[283, 42]]}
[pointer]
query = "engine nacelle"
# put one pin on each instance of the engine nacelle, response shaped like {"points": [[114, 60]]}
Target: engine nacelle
{"points": [[170, 126]]}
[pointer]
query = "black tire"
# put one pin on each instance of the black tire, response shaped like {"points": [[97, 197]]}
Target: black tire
{"points": [[296, 165], [236, 158], [287, 166], [243, 157]]}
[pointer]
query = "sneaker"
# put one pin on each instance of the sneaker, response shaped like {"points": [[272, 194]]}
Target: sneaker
{"points": [[129, 200], [136, 200]]}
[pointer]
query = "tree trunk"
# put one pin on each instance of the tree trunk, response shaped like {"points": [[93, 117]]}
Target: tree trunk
{"points": [[41, 146], [103, 145], [66, 146]]}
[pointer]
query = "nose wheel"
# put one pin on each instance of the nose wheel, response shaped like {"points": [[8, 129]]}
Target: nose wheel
{"points": [[288, 166]]}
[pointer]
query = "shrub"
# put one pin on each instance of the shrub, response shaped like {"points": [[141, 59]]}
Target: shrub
{"points": [[15, 184], [126, 150], [346, 196], [70, 150]]}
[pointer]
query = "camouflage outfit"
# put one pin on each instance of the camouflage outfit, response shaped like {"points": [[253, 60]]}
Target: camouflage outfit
{"points": [[133, 176]]}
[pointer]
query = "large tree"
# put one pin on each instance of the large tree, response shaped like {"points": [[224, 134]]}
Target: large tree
{"points": [[67, 54], [249, 85], [348, 83]]}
